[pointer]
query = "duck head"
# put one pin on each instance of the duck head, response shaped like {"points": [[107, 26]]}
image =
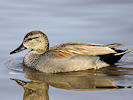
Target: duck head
{"points": [[36, 41]]}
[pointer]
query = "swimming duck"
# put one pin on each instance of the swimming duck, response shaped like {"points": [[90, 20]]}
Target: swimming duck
{"points": [[66, 57]]}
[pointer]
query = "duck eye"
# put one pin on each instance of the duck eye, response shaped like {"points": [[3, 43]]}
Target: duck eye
{"points": [[29, 39]]}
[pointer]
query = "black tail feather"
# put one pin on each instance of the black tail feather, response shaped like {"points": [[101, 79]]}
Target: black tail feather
{"points": [[112, 58]]}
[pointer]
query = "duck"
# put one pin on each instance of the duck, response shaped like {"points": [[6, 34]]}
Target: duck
{"points": [[67, 57]]}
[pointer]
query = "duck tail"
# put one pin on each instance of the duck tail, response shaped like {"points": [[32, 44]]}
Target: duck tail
{"points": [[114, 57], [125, 51]]}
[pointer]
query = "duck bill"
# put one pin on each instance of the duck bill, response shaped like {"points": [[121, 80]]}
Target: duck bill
{"points": [[20, 48]]}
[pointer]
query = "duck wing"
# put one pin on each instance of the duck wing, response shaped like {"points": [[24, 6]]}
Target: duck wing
{"points": [[87, 44], [72, 49]]}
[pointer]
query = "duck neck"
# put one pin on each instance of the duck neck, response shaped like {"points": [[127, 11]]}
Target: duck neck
{"points": [[42, 48]]}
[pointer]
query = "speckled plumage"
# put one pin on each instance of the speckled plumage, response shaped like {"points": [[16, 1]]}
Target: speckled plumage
{"points": [[67, 56]]}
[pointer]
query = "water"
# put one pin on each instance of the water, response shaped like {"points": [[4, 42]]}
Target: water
{"points": [[104, 21]]}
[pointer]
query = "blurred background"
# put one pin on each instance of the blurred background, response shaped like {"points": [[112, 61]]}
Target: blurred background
{"points": [[96, 21]]}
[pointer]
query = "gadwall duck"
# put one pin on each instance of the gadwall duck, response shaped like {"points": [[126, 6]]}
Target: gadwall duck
{"points": [[68, 56]]}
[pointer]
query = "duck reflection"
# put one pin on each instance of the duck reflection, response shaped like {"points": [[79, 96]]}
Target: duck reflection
{"points": [[34, 90], [37, 88]]}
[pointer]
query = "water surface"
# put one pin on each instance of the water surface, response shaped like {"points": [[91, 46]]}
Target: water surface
{"points": [[98, 21]]}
